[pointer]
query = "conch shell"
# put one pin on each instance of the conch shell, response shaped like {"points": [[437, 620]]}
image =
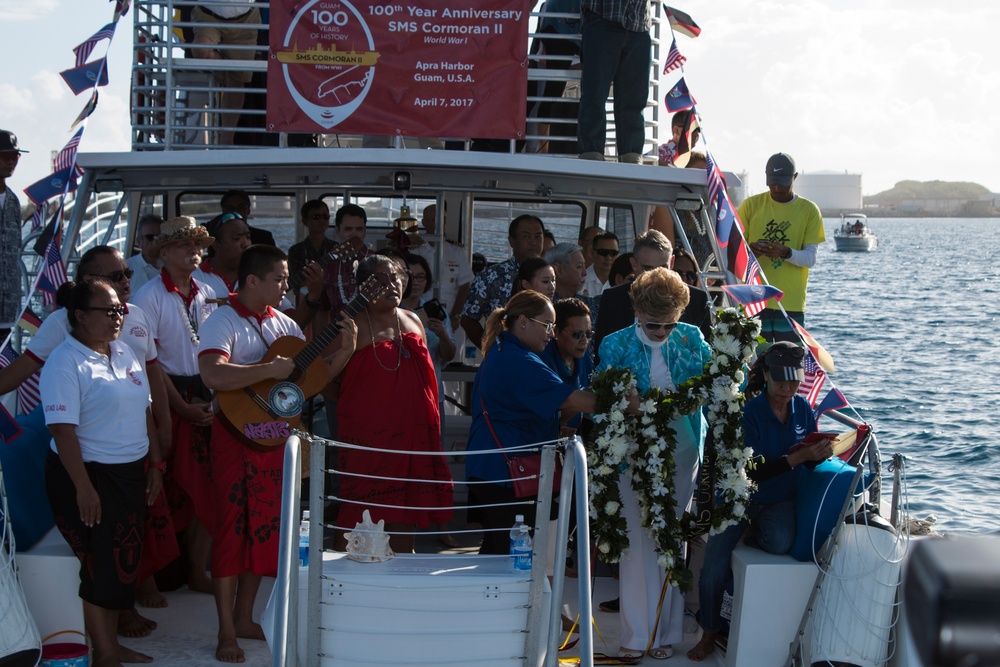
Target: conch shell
{"points": [[368, 542]]}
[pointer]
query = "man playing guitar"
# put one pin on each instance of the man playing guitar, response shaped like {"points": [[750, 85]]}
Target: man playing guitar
{"points": [[246, 478]]}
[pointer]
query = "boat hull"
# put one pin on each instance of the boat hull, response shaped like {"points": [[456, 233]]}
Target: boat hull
{"points": [[866, 243]]}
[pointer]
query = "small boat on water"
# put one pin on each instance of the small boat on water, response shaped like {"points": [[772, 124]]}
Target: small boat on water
{"points": [[854, 234]]}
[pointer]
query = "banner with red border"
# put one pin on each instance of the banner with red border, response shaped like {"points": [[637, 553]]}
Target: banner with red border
{"points": [[426, 68]]}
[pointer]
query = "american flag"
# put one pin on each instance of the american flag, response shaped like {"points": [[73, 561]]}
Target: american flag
{"points": [[674, 58], [751, 276], [28, 394], [38, 217], [67, 156], [54, 272], [815, 377], [84, 50]]}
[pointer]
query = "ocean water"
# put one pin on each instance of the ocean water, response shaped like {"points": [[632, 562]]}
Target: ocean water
{"points": [[913, 330]]}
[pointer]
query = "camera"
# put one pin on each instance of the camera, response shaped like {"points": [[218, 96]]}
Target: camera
{"points": [[435, 310]]}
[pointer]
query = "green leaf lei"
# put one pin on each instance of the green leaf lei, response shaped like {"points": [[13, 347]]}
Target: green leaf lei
{"points": [[643, 446]]}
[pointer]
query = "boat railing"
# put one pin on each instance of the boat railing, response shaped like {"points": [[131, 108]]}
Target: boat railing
{"points": [[177, 96], [541, 633]]}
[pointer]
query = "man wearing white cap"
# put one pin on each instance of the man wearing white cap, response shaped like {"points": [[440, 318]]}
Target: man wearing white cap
{"points": [[10, 236], [784, 230]]}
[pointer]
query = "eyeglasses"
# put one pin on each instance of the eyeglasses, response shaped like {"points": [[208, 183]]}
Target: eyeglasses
{"points": [[688, 276], [549, 326], [418, 276], [148, 237], [660, 326], [113, 311], [116, 277], [606, 252], [580, 335]]}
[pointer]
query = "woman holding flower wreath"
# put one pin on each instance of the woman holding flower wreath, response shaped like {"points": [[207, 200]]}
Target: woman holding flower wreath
{"points": [[516, 400], [663, 353], [774, 421]]}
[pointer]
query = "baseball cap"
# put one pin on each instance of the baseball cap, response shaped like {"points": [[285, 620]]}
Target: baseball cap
{"points": [[783, 361], [8, 142], [780, 169]]}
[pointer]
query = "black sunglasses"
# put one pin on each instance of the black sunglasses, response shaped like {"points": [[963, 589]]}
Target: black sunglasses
{"points": [[580, 335], [688, 276], [606, 252], [115, 277], [113, 311], [657, 326]]}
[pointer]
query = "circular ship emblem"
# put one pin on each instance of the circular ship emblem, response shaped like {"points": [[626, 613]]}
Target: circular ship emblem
{"points": [[286, 399], [330, 79]]}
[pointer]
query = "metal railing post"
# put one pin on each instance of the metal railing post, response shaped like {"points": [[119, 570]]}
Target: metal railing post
{"points": [[284, 649]]}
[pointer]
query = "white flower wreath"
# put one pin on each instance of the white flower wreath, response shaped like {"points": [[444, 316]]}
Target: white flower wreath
{"points": [[643, 447]]}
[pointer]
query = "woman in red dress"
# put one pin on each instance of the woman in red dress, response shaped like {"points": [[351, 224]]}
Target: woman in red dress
{"points": [[389, 401]]}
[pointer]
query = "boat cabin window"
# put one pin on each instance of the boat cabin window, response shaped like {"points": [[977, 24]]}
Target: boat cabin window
{"points": [[277, 212]]}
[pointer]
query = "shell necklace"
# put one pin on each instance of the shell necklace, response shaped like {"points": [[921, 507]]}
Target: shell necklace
{"points": [[188, 320], [398, 341]]}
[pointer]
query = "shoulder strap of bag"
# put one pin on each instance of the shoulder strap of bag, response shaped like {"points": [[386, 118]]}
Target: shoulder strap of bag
{"points": [[486, 415]]}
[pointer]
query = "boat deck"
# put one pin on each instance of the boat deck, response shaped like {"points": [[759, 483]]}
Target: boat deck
{"points": [[187, 627]]}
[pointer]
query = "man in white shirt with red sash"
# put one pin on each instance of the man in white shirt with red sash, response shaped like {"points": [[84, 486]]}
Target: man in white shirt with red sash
{"points": [[176, 305], [248, 477]]}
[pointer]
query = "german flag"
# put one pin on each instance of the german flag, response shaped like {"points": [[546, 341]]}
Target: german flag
{"points": [[29, 321]]}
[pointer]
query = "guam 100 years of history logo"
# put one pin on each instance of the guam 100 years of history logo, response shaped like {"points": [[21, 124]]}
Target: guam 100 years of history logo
{"points": [[417, 68]]}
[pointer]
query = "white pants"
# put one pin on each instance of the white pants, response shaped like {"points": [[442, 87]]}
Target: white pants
{"points": [[640, 578]]}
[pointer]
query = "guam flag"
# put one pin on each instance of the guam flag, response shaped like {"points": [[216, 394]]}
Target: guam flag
{"points": [[679, 98], [86, 76], [52, 185], [753, 297]]}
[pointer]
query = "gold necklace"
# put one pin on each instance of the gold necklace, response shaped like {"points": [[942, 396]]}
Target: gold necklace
{"points": [[399, 343]]}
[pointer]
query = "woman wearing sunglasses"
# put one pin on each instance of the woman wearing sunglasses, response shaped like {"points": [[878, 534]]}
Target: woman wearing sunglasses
{"points": [[568, 353], [95, 395], [662, 352]]}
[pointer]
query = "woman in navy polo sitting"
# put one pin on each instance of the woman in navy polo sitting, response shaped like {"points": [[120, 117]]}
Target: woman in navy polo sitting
{"points": [[775, 419]]}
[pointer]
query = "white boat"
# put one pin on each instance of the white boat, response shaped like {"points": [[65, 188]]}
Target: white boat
{"points": [[481, 192], [854, 234]]}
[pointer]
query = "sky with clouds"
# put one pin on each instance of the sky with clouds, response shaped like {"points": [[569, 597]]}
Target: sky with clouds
{"points": [[891, 89]]}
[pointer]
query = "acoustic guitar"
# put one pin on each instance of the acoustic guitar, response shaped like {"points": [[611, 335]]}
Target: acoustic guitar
{"points": [[264, 414], [347, 250]]}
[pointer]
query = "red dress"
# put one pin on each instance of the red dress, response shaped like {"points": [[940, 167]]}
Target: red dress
{"points": [[398, 410]]}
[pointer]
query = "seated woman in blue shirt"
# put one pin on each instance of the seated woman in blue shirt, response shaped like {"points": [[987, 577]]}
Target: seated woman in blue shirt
{"points": [[516, 400], [774, 420], [568, 354]]}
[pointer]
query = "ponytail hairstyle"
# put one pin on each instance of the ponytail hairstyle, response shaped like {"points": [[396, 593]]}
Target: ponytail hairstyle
{"points": [[76, 295], [755, 378], [528, 303]]}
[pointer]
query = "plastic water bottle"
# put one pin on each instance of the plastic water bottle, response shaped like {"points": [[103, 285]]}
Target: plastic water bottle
{"points": [[515, 530], [522, 551], [304, 540]]}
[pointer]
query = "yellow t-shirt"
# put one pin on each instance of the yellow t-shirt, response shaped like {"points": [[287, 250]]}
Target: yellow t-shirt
{"points": [[795, 224]]}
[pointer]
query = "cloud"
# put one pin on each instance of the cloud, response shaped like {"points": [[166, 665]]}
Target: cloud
{"points": [[19, 10]]}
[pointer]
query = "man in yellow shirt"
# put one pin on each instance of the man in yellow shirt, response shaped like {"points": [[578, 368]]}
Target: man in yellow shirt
{"points": [[784, 231]]}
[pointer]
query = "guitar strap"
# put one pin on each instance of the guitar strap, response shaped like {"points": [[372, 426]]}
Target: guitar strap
{"points": [[258, 331]]}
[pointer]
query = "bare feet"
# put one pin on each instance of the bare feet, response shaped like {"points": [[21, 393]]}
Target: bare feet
{"points": [[704, 647], [229, 651], [148, 595], [200, 583], [131, 624], [249, 630], [128, 655]]}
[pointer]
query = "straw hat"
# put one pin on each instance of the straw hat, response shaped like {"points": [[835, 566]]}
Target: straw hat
{"points": [[181, 229]]}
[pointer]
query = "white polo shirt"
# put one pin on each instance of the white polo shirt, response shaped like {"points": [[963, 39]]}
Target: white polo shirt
{"points": [[242, 336], [172, 320], [455, 272], [106, 399], [593, 286], [55, 329]]}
